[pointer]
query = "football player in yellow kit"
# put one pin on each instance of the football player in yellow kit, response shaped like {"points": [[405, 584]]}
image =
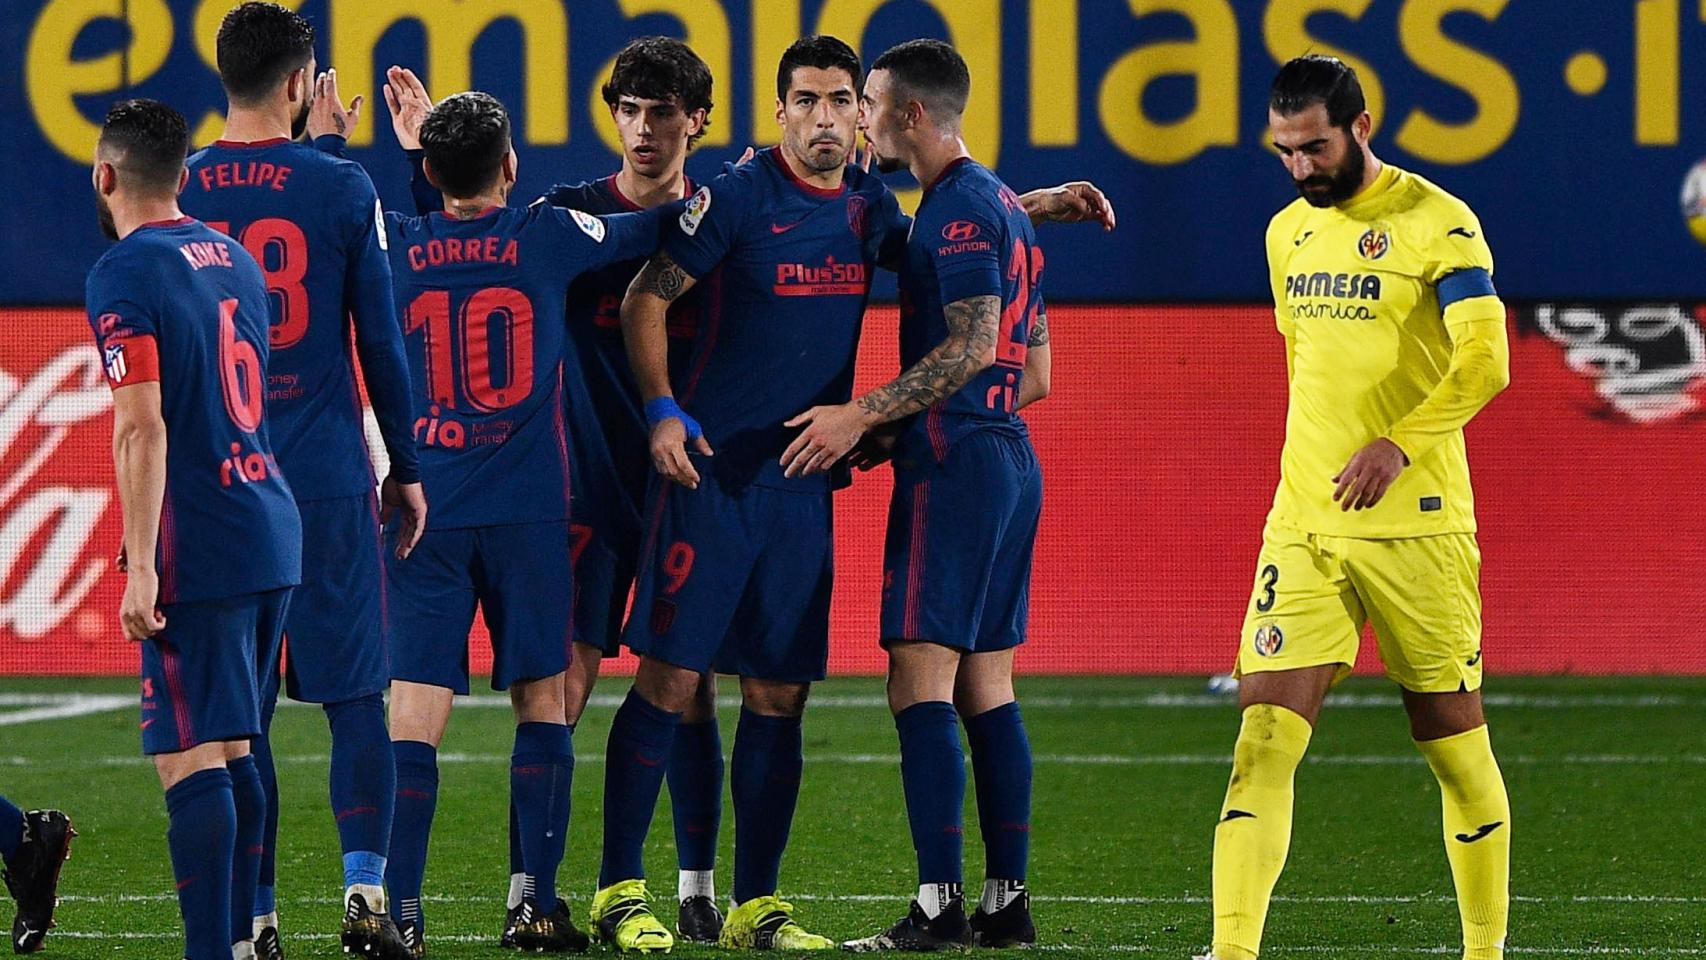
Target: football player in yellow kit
{"points": [[1394, 339]]}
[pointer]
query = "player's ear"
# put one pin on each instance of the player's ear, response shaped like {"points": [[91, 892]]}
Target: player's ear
{"points": [[183, 178], [511, 165], [431, 174], [1363, 127], [696, 122], [781, 113]]}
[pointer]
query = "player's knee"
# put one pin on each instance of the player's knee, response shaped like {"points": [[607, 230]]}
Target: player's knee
{"points": [[920, 672], [703, 707], [419, 711], [774, 699], [1434, 716], [538, 701], [665, 685], [1271, 742]]}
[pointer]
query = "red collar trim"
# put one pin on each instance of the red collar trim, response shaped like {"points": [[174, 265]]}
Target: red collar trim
{"points": [[628, 203], [621, 198], [950, 168], [822, 193], [251, 144], [168, 223], [488, 211]]}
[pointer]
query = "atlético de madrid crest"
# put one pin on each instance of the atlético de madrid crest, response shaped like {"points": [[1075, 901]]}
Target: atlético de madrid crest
{"points": [[1374, 244]]}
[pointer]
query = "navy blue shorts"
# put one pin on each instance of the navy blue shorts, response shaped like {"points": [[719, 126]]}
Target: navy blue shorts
{"points": [[957, 564], [520, 578], [334, 638], [606, 556], [202, 675], [736, 582]]}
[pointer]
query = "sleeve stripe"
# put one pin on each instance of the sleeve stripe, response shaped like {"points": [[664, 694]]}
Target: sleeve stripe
{"points": [[1463, 285]]}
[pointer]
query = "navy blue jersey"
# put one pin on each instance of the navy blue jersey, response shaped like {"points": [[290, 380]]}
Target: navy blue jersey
{"points": [[482, 306], [312, 221], [184, 305], [971, 238], [785, 268], [608, 438]]}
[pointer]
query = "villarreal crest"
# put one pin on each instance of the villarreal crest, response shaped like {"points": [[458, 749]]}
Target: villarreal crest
{"points": [[1374, 244]]}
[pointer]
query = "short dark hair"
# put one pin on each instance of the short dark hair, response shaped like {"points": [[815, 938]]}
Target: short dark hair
{"points": [[931, 72], [1313, 79], [466, 138], [259, 45], [146, 141], [822, 52], [661, 68]]}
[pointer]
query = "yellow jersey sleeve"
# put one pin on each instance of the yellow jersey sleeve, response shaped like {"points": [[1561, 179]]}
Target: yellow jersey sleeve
{"points": [[1459, 264]]}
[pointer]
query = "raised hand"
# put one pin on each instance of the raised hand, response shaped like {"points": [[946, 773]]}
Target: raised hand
{"points": [[328, 115], [406, 98]]}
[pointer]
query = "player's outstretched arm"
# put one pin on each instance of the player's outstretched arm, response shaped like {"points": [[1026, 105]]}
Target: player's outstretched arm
{"points": [[830, 432], [1074, 202], [139, 464], [1039, 360], [645, 332]]}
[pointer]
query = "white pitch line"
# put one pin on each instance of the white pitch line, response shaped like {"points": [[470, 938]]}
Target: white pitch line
{"points": [[61, 707]]}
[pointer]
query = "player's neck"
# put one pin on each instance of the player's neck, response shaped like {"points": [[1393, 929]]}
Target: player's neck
{"points": [[934, 157], [649, 192], [1372, 168], [252, 124], [130, 214], [472, 208]]}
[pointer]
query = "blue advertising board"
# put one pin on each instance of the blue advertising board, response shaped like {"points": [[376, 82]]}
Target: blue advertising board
{"points": [[1569, 125]]}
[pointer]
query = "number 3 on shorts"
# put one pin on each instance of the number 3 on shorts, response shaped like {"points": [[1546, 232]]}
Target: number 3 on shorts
{"points": [[1265, 583]]}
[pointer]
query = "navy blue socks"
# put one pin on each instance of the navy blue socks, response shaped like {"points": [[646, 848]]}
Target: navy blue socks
{"points": [[417, 797], [201, 836], [11, 829], [933, 773], [696, 793], [363, 786], [638, 749], [1001, 764], [765, 780], [260, 748], [249, 800], [541, 770]]}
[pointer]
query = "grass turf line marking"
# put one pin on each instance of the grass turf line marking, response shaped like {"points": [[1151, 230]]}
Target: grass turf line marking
{"points": [[59, 706]]}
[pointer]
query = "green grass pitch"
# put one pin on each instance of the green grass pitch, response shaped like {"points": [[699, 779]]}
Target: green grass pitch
{"points": [[1606, 780]]}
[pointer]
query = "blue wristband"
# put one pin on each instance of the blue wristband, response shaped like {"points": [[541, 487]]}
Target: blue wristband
{"points": [[663, 408]]}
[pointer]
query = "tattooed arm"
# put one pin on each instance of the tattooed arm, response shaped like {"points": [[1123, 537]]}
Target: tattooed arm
{"points": [[645, 332], [1038, 360], [973, 325]]}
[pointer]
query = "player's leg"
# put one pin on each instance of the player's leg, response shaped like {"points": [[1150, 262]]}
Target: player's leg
{"points": [[1001, 770], [33, 846], [200, 704], [431, 602], [695, 775], [1300, 635], [338, 653], [264, 922], [693, 567], [249, 800], [778, 644], [984, 696], [1424, 598], [636, 756], [522, 574]]}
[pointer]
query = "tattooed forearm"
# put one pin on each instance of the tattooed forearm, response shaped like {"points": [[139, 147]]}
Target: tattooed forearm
{"points": [[973, 325], [1039, 330], [663, 278]]}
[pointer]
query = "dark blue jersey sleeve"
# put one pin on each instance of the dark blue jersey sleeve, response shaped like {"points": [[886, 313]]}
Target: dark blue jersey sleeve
{"points": [[427, 197], [704, 232], [967, 255], [126, 329], [378, 335], [331, 143], [594, 241]]}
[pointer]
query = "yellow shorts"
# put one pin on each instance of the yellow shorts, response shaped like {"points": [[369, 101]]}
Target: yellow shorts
{"points": [[1314, 593]]}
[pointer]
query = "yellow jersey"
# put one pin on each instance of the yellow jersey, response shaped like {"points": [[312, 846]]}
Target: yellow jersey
{"points": [[1392, 330]]}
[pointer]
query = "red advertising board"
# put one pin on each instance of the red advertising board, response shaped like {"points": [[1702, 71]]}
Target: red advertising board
{"points": [[1160, 448]]}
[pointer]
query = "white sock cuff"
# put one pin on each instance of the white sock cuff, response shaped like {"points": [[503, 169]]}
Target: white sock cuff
{"points": [[695, 883]]}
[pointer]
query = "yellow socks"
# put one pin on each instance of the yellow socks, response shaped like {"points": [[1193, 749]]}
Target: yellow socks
{"points": [[1254, 834], [1477, 836]]}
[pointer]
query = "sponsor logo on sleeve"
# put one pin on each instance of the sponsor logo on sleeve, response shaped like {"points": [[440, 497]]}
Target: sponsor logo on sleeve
{"points": [[379, 225], [962, 236], [117, 367], [696, 210], [589, 224]]}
